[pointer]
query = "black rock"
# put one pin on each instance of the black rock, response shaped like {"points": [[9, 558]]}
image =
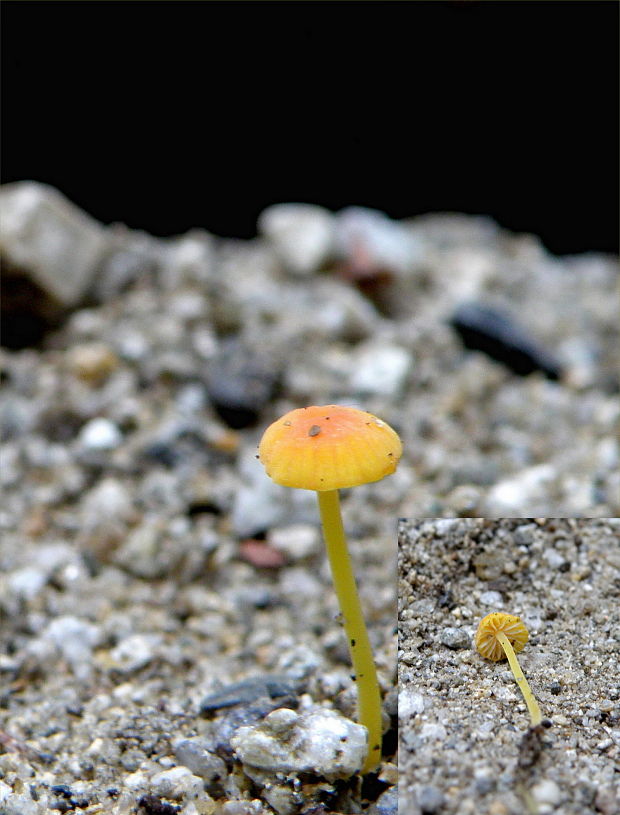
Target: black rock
{"points": [[240, 382], [497, 334], [249, 690]]}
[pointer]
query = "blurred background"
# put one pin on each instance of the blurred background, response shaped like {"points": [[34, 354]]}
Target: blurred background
{"points": [[166, 116]]}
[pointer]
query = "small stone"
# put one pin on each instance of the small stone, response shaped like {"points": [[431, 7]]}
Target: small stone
{"points": [[547, 792], [387, 803], [554, 559], [27, 582], [51, 239], [282, 720], [455, 638], [492, 598], [134, 652], [74, 638], [410, 703], [433, 732], [320, 741], [100, 434], [368, 239], [177, 783], [283, 800], [495, 333], [192, 754], [297, 541], [261, 555], [430, 799], [524, 534], [109, 500], [240, 381], [489, 565], [260, 503], [607, 801], [249, 690], [92, 362], [522, 489], [382, 369], [301, 235]]}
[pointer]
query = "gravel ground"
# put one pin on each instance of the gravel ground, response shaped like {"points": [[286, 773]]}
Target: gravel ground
{"points": [[465, 741], [147, 562]]}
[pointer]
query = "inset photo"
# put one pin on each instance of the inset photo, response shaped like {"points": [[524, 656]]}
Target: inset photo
{"points": [[509, 679]]}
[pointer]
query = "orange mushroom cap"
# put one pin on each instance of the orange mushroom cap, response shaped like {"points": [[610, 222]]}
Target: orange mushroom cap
{"points": [[328, 448], [486, 639]]}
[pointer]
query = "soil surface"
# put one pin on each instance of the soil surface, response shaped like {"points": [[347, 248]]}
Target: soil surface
{"points": [[147, 562]]}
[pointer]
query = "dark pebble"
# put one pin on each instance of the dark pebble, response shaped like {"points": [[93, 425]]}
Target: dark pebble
{"points": [[240, 382], [152, 805], [249, 690], [497, 334]]}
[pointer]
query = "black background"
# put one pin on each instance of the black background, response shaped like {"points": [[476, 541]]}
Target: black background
{"points": [[171, 115]]}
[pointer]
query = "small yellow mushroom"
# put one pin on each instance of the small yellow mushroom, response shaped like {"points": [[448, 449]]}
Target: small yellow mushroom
{"points": [[327, 448], [501, 635]]}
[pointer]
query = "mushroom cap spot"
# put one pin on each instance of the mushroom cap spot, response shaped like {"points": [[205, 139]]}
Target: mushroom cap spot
{"points": [[353, 447], [486, 636]]}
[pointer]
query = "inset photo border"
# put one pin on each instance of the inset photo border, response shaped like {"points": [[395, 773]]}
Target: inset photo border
{"points": [[472, 737]]}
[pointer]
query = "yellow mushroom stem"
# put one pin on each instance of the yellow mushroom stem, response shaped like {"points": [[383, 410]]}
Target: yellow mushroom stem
{"points": [[368, 695], [530, 700]]}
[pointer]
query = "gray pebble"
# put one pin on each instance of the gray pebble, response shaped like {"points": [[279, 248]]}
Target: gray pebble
{"points": [[27, 582], [492, 598], [301, 235], [455, 638], [383, 242], [553, 558], [177, 783], [386, 803], [249, 690], [51, 239], [430, 799], [75, 639], [192, 754], [134, 652], [296, 541], [108, 500]]}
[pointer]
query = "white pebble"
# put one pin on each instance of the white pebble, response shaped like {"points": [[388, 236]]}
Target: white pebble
{"points": [[380, 369], [27, 582], [177, 783], [409, 703], [75, 639], [492, 598], [100, 434], [553, 558], [134, 652], [547, 792], [297, 541], [320, 741], [301, 235]]}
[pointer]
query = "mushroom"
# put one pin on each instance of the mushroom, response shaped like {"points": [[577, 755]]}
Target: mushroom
{"points": [[501, 635], [327, 448]]}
